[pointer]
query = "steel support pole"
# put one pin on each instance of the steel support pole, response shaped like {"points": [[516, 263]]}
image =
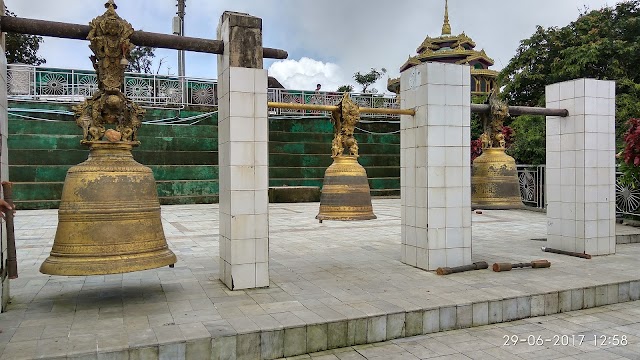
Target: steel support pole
{"points": [[140, 38]]}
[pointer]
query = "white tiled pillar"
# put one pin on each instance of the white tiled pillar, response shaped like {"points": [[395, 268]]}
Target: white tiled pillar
{"points": [[4, 161], [580, 177], [435, 173], [243, 154]]}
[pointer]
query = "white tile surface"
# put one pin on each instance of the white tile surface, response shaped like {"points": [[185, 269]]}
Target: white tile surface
{"points": [[241, 80], [243, 174], [579, 167], [434, 159]]}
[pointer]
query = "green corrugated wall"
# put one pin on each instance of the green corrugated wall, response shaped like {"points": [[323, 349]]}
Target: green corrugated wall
{"points": [[184, 159]]}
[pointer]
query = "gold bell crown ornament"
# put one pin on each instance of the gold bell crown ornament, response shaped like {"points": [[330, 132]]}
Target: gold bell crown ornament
{"points": [[345, 189], [109, 216], [494, 176]]}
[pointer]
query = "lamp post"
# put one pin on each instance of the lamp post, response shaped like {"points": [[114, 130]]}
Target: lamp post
{"points": [[178, 29]]}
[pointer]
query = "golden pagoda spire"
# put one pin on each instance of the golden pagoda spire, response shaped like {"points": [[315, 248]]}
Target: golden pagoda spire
{"points": [[446, 28]]}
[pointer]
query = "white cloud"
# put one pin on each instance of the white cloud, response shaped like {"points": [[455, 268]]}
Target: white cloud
{"points": [[305, 73], [343, 36]]}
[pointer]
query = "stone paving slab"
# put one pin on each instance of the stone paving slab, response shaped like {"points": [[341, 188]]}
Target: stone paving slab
{"points": [[607, 332], [626, 234], [333, 285]]}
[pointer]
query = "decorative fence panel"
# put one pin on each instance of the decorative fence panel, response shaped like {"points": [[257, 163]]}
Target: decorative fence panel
{"points": [[533, 191], [627, 197], [329, 98], [34, 83], [25, 82]]}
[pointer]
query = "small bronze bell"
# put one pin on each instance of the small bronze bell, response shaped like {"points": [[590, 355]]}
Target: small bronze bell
{"points": [[494, 181], [345, 190], [109, 217], [494, 176]]}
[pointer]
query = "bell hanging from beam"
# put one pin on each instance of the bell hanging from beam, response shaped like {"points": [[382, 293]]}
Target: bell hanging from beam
{"points": [[345, 190], [494, 176], [109, 217]]}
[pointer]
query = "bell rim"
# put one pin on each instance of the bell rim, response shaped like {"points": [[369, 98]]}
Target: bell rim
{"points": [[83, 266], [346, 218], [514, 206]]}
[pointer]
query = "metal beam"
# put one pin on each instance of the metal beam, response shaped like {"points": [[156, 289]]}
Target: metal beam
{"points": [[521, 110], [476, 108], [141, 38]]}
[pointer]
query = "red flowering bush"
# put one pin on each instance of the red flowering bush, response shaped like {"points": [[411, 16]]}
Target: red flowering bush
{"points": [[630, 166], [631, 153], [508, 133], [476, 149]]}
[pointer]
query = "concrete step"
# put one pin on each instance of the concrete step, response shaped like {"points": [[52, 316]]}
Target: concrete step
{"points": [[72, 142], [70, 128], [312, 148], [149, 157]]}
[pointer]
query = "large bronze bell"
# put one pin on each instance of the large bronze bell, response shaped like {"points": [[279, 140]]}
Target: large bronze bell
{"points": [[494, 181], [494, 176], [345, 189], [109, 216]]}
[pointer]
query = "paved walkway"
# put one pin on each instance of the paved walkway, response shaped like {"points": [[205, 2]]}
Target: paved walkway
{"points": [[608, 332], [347, 274]]}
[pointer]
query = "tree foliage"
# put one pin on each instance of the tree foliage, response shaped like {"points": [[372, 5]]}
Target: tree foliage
{"points": [[141, 59], [366, 80], [22, 48], [345, 88], [601, 44], [529, 143]]}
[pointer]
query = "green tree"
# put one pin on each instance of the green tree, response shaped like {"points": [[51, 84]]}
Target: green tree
{"points": [[22, 48], [366, 80], [529, 143], [141, 59], [345, 88], [601, 44]]}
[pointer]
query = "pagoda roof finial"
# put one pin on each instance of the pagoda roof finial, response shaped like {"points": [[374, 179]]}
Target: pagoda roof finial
{"points": [[446, 27]]}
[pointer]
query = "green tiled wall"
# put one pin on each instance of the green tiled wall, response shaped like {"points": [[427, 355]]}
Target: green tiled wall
{"points": [[184, 159]]}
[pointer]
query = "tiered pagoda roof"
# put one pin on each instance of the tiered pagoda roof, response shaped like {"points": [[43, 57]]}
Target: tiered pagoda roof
{"points": [[459, 49]]}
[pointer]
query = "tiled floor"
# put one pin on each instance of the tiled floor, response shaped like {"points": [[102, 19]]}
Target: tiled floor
{"points": [[608, 332], [320, 273]]}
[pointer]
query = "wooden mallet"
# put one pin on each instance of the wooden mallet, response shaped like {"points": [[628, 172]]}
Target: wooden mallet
{"points": [[451, 270], [536, 264]]}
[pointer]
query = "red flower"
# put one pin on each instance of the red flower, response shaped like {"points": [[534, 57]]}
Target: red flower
{"points": [[631, 152]]}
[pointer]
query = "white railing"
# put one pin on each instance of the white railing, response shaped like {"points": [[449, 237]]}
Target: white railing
{"points": [[533, 190], [627, 197], [25, 82], [531, 181], [328, 98], [34, 83]]}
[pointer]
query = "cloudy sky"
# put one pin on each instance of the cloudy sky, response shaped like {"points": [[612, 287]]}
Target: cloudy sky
{"points": [[327, 40]]}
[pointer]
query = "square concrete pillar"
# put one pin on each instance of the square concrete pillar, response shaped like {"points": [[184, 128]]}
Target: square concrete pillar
{"points": [[4, 162], [435, 171], [580, 176], [243, 154]]}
